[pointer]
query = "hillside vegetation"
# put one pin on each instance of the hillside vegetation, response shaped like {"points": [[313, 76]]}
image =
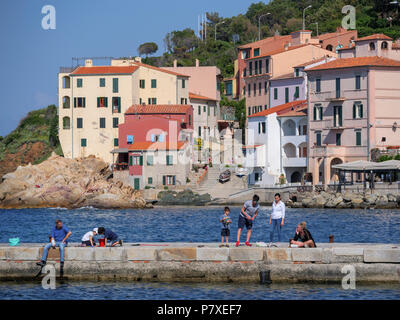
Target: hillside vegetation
{"points": [[33, 141]]}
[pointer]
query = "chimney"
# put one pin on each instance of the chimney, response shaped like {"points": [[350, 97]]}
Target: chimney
{"points": [[88, 63], [175, 63], [138, 59], [197, 63]]}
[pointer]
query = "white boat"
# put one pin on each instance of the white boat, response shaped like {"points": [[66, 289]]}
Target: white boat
{"points": [[240, 172]]}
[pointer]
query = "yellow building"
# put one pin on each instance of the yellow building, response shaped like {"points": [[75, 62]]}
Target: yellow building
{"points": [[93, 100]]}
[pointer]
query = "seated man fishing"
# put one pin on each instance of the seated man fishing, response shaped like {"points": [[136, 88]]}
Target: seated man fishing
{"points": [[59, 236], [305, 237]]}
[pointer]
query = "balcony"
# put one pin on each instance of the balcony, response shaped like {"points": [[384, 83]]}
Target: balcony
{"points": [[338, 151], [294, 162], [296, 140]]}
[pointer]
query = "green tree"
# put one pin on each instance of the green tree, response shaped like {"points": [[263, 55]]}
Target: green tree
{"points": [[147, 48]]}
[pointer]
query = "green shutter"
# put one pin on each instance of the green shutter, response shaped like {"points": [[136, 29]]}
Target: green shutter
{"points": [[119, 104], [83, 143], [84, 102], [98, 102], [361, 110], [130, 161], [106, 102], [354, 111], [115, 85], [150, 180], [315, 113], [164, 180], [173, 180], [115, 142], [74, 102], [141, 160]]}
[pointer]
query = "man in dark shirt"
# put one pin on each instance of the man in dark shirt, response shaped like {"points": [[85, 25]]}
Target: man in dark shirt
{"points": [[111, 236], [304, 235]]}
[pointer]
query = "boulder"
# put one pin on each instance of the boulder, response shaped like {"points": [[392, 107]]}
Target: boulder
{"points": [[319, 201], [306, 202], [334, 202], [391, 197]]}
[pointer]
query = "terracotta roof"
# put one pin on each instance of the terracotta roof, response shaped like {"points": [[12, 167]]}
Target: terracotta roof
{"points": [[285, 76], [159, 69], [326, 36], [395, 46], [264, 41], [377, 36], [148, 145], [281, 107], [105, 70], [158, 108], [297, 111], [312, 62], [281, 50], [357, 62], [199, 97], [348, 48]]}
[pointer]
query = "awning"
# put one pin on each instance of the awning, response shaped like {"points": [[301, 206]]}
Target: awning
{"points": [[120, 150], [369, 166]]}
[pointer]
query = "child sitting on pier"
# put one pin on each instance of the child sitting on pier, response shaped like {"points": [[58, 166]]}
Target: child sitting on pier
{"points": [[225, 231], [87, 239], [110, 236]]}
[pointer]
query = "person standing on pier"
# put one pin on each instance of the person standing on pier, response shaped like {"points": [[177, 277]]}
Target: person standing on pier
{"points": [[277, 218], [246, 217]]}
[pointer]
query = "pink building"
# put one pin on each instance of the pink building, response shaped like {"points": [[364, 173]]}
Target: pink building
{"points": [[353, 106]]}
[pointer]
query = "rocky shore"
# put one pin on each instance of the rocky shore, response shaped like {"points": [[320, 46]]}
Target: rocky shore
{"points": [[347, 199], [185, 197], [67, 183]]}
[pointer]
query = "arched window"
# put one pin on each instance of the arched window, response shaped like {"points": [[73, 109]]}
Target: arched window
{"points": [[66, 123], [329, 47], [66, 102], [384, 45], [371, 46]]}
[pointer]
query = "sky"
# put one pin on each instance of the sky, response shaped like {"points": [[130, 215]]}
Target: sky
{"points": [[30, 56]]}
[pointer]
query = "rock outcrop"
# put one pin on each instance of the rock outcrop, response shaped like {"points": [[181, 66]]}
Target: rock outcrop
{"points": [[347, 199], [68, 183], [186, 197]]}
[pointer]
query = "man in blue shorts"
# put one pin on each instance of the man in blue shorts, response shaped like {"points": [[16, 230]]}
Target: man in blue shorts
{"points": [[247, 215]]}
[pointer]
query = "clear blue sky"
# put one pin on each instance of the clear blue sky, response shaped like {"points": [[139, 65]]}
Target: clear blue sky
{"points": [[30, 57]]}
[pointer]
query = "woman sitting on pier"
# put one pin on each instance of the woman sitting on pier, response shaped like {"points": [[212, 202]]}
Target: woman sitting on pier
{"points": [[304, 235]]}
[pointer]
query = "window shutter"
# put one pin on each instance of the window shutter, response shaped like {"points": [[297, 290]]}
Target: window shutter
{"points": [[361, 110], [84, 102], [322, 113], [164, 180], [141, 160], [315, 113], [130, 160], [354, 111], [74, 102], [98, 102], [106, 102], [173, 180]]}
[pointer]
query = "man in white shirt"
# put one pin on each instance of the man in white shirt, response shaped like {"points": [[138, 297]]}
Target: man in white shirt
{"points": [[277, 217], [87, 239]]}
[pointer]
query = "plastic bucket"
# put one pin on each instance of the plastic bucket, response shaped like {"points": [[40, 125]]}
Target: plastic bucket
{"points": [[13, 241], [102, 242]]}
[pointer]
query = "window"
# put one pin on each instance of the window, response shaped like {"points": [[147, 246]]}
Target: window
{"points": [[384, 45], [337, 87], [142, 84], [286, 95], [115, 142], [102, 102], [265, 87], [249, 111], [183, 83], [79, 102], [204, 108], [358, 137], [83, 142], [256, 67], [169, 160], [190, 118], [267, 66], [149, 180], [102, 123], [66, 123], [260, 67], [153, 100], [79, 123], [337, 116], [169, 180], [256, 52], [250, 68], [199, 109], [115, 85], [116, 104], [228, 89], [137, 160], [372, 46], [102, 82], [338, 139], [297, 72], [259, 88], [208, 110], [115, 122], [249, 90], [129, 139], [358, 82], [79, 83], [265, 107], [215, 112], [259, 127], [154, 83], [357, 110], [263, 125], [150, 160], [318, 115], [254, 89], [244, 72], [275, 93], [318, 85], [297, 93], [318, 138]]}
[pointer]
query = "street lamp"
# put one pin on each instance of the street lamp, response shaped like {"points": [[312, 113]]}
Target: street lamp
{"points": [[259, 24], [316, 23], [215, 32], [304, 16]]}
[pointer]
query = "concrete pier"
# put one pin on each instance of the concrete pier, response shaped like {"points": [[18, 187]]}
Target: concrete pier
{"points": [[206, 262]]}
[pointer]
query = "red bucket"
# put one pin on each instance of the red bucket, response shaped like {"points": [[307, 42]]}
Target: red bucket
{"points": [[102, 242]]}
